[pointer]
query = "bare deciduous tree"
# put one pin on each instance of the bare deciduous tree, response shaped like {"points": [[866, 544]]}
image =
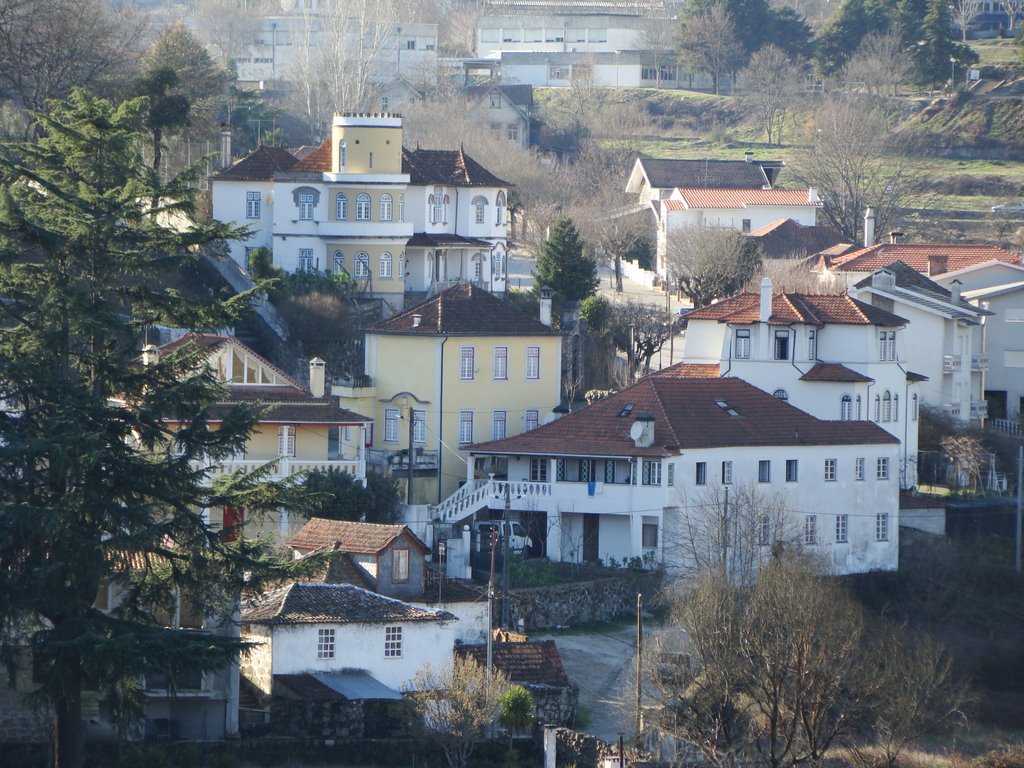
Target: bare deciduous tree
{"points": [[880, 64], [968, 456], [964, 13], [771, 83], [708, 43], [1013, 9], [657, 40], [640, 330], [709, 262], [460, 20], [227, 26]]}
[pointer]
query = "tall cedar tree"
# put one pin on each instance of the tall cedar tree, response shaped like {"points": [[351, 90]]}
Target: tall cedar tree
{"points": [[563, 267], [90, 492]]}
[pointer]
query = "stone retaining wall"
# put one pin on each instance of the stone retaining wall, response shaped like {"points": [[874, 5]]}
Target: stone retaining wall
{"points": [[586, 602]]}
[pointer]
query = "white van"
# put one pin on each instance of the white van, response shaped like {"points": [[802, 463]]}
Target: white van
{"points": [[518, 541]]}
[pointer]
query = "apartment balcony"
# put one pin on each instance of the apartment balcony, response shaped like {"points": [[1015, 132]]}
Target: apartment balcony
{"points": [[979, 409], [278, 469], [398, 461], [952, 410], [979, 363], [951, 363]]}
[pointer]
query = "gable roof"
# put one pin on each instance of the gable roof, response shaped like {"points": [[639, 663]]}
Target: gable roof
{"points": [[688, 414], [532, 663], [518, 94], [685, 370], [696, 197], [787, 308], [317, 161], [302, 603], [916, 256], [347, 536], [913, 287], [341, 568], [463, 310], [785, 238], [259, 165], [451, 167], [709, 174]]}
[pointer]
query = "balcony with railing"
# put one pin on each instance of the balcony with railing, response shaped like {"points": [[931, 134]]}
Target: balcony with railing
{"points": [[952, 410], [398, 461], [979, 363], [979, 409], [951, 363], [286, 466]]}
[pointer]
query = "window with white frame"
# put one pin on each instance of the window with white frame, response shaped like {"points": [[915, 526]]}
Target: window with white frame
{"points": [[531, 419], [338, 262], [726, 473], [305, 259], [499, 263], [887, 346], [325, 643], [361, 265], [882, 526], [670, 476], [830, 470], [533, 362], [878, 409], [390, 425], [701, 477], [500, 363], [782, 345], [858, 469], [363, 207], [886, 406], [842, 529], [512, 132], [385, 207], [651, 472], [436, 202], [479, 209], [882, 468], [384, 266], [649, 535], [499, 208], [286, 441], [810, 529], [307, 202], [539, 470], [792, 470], [812, 344], [392, 642], [743, 344], [846, 408], [764, 471], [253, 204], [399, 565], [419, 427], [498, 423], [764, 531], [401, 207], [465, 427], [466, 363], [341, 206]]}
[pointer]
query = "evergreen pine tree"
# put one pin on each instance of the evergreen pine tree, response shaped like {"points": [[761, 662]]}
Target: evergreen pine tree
{"points": [[91, 491], [563, 267], [937, 53]]}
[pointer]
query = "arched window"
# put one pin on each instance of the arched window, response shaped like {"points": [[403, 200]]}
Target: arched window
{"points": [[362, 264], [341, 207], [479, 208], [385, 266], [478, 267], [886, 406], [402, 266], [385, 207], [363, 207], [913, 407], [401, 207], [895, 407], [338, 263], [437, 206], [499, 264], [859, 417], [878, 408], [780, 394], [341, 156], [846, 408], [499, 207]]}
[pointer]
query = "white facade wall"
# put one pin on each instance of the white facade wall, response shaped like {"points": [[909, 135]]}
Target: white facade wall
{"points": [[361, 646], [982, 276], [229, 203], [562, 33], [733, 218], [1004, 344]]}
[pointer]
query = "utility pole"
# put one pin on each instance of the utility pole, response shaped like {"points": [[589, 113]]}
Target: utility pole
{"points": [[412, 451], [639, 663], [725, 536], [506, 534], [490, 609], [1020, 505]]}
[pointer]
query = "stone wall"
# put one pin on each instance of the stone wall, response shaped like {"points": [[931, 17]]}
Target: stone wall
{"points": [[554, 705], [586, 751], [586, 602], [311, 719]]}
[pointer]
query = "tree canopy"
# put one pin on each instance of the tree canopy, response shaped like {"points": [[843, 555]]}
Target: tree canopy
{"points": [[337, 495], [563, 267]]}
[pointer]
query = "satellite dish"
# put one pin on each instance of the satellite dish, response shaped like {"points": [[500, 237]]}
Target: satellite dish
{"points": [[637, 430]]}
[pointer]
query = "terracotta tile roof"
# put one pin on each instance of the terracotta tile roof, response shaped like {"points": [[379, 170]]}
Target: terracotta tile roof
{"points": [[693, 197], [301, 603], [714, 174], [915, 255], [685, 370], [317, 161], [452, 167], [259, 165], [464, 310], [787, 308], [340, 568], [688, 414], [788, 239], [355, 538], [530, 663], [834, 372]]}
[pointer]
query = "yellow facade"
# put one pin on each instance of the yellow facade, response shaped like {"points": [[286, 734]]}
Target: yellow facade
{"points": [[366, 148], [378, 282]]}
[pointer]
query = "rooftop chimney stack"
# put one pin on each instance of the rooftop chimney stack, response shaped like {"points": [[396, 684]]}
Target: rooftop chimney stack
{"points": [[869, 227], [225, 145], [938, 263], [812, 196], [748, 156], [317, 377], [954, 291], [766, 299], [894, 237], [545, 306]]}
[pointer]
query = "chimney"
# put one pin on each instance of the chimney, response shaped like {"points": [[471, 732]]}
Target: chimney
{"points": [[642, 430], [150, 355], [748, 156], [317, 377], [954, 291], [869, 227], [225, 145], [884, 280], [937, 264], [812, 196], [416, 320], [894, 237], [766, 299], [545, 306]]}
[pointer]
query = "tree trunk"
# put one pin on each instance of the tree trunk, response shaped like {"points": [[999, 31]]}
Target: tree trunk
{"points": [[67, 731], [618, 273]]}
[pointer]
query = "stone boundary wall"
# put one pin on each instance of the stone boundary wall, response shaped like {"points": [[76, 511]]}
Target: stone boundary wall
{"points": [[585, 602]]}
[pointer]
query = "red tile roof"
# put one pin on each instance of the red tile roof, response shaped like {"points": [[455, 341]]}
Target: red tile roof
{"points": [[693, 197], [688, 414], [259, 165], [530, 663], [452, 167], [464, 310], [685, 370], [915, 255], [834, 372], [346, 536], [787, 308], [788, 239], [317, 161], [341, 568]]}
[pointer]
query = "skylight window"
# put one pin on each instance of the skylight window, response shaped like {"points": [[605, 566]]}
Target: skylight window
{"points": [[725, 407], [626, 410]]}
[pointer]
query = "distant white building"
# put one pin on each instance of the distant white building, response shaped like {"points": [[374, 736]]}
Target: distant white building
{"points": [[1002, 347]]}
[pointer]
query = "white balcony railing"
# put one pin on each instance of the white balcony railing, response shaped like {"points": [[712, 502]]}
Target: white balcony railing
{"points": [[979, 409], [286, 466], [951, 409], [477, 494], [951, 363], [979, 362]]}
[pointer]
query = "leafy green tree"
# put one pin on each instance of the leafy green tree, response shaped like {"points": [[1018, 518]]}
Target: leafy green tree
{"points": [[846, 28], [515, 710], [168, 107], [338, 495], [595, 310], [937, 52], [563, 267], [90, 491], [757, 24], [709, 42]]}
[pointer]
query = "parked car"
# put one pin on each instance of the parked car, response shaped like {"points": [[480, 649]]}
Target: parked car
{"points": [[487, 531], [1012, 207]]}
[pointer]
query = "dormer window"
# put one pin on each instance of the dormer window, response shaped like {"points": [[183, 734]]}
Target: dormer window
{"points": [[499, 205], [782, 345]]}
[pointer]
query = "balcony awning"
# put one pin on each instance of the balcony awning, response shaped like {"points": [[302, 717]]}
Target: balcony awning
{"points": [[445, 240]]}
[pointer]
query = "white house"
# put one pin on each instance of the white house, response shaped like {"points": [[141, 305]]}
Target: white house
{"points": [[830, 355], [328, 628], [1001, 342], [624, 477], [940, 341]]}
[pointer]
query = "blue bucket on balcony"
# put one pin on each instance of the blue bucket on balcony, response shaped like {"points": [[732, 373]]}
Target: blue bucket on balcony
{"points": [[591, 487]]}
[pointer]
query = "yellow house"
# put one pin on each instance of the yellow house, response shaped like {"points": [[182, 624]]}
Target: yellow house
{"points": [[462, 367], [302, 429]]}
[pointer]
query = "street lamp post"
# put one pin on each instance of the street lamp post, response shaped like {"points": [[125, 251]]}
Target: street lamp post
{"points": [[952, 74]]}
